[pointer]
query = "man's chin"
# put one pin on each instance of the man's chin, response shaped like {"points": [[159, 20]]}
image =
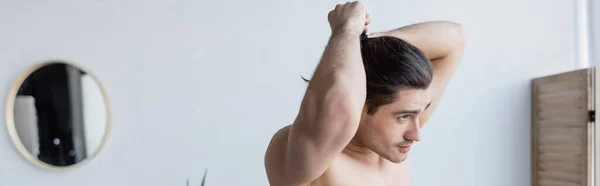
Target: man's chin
{"points": [[398, 158]]}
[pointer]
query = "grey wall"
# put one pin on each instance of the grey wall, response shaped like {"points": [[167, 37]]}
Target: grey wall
{"points": [[190, 83]]}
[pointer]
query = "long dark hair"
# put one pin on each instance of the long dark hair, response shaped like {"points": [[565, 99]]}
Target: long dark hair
{"points": [[392, 64]]}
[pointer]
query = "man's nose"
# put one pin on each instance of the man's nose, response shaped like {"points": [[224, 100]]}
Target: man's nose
{"points": [[413, 131]]}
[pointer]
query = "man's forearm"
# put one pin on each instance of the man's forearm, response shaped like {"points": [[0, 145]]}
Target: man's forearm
{"points": [[341, 67], [437, 39]]}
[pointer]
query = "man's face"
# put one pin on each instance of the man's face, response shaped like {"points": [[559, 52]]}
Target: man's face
{"points": [[393, 128]]}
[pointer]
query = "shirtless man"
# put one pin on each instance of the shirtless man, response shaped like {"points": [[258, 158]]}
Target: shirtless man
{"points": [[366, 103]]}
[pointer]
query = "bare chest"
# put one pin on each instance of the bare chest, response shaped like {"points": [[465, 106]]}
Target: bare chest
{"points": [[347, 173]]}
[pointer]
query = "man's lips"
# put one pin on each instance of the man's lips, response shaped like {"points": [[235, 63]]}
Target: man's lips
{"points": [[404, 149]]}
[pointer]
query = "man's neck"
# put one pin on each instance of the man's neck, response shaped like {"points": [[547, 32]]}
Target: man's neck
{"points": [[359, 152]]}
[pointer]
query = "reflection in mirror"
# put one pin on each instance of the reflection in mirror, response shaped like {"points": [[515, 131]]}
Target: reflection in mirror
{"points": [[59, 115]]}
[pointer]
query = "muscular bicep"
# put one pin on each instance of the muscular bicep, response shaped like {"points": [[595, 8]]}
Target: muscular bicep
{"points": [[324, 126], [276, 156]]}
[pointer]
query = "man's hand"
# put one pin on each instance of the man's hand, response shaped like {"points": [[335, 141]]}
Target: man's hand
{"points": [[351, 17]]}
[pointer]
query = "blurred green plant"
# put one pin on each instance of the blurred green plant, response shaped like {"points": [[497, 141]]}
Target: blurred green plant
{"points": [[203, 179]]}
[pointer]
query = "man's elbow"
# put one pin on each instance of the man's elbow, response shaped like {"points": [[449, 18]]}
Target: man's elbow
{"points": [[454, 32], [455, 35]]}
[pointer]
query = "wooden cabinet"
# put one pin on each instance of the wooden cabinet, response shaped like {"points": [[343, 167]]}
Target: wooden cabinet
{"points": [[564, 143]]}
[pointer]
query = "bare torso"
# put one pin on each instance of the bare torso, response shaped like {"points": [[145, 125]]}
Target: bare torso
{"points": [[348, 172], [345, 170]]}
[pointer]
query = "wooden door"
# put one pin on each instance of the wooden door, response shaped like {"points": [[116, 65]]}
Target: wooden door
{"points": [[562, 122]]}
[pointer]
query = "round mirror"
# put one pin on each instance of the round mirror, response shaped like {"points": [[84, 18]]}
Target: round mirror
{"points": [[57, 115]]}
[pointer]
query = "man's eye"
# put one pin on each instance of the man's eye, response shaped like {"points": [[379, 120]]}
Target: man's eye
{"points": [[404, 117]]}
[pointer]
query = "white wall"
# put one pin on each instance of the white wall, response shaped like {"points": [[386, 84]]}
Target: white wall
{"points": [[189, 80], [595, 31]]}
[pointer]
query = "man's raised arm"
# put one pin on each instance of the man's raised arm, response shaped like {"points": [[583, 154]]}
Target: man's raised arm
{"points": [[443, 43], [332, 105]]}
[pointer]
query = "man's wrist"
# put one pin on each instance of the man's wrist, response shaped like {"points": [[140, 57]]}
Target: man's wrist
{"points": [[348, 29], [342, 32]]}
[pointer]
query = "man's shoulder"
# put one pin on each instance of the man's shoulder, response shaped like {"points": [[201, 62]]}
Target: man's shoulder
{"points": [[279, 139], [275, 154]]}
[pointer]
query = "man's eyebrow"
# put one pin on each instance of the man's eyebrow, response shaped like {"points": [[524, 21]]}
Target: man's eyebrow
{"points": [[411, 111], [407, 112]]}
